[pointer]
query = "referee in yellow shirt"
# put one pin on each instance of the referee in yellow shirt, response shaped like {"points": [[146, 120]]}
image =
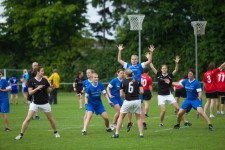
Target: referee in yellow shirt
{"points": [[54, 79]]}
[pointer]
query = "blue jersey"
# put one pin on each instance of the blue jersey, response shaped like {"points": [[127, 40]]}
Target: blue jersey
{"points": [[114, 85], [4, 85], [192, 88], [93, 93], [13, 82], [137, 69], [86, 83]]}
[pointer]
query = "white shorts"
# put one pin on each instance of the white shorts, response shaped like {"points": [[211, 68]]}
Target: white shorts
{"points": [[131, 107], [163, 98], [44, 107]]}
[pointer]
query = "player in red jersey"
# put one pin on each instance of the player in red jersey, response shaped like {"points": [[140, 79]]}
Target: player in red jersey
{"points": [[146, 81], [220, 78], [209, 81]]}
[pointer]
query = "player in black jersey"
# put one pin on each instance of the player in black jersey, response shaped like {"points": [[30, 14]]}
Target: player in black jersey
{"points": [[165, 89], [39, 88], [78, 86], [130, 90]]}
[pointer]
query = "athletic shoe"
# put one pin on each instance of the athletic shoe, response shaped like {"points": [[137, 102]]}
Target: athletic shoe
{"points": [[84, 132], [141, 135], [113, 126], [18, 137], [161, 124], [177, 126], [145, 126], [218, 112], [57, 135], [115, 135], [211, 116], [109, 130], [7, 129], [222, 113], [187, 123], [129, 125], [211, 128], [146, 115], [37, 118]]}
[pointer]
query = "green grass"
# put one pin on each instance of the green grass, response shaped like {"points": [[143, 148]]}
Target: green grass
{"points": [[69, 120]]}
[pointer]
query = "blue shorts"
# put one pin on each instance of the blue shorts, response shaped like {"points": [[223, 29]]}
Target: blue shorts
{"points": [[14, 91], [4, 105], [98, 109], [116, 100], [188, 104], [25, 89]]}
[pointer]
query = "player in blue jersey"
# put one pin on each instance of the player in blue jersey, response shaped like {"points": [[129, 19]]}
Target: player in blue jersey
{"points": [[4, 100], [14, 83], [136, 67], [113, 90], [23, 79], [193, 100], [94, 103]]}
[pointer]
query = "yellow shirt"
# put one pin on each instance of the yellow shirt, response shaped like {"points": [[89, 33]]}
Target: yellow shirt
{"points": [[55, 78]]}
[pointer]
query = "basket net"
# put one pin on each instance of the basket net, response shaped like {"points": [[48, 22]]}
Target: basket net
{"points": [[199, 27], [136, 21]]}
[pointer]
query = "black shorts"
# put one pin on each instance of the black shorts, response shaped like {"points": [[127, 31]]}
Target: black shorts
{"points": [[79, 91], [211, 95], [221, 94], [181, 93], [147, 95]]}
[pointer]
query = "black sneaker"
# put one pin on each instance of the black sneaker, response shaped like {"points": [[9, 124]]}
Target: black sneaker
{"points": [[84, 132], [145, 126], [129, 126], [115, 135], [187, 123], [109, 130], [177, 126], [37, 118], [142, 136], [211, 128], [7, 129], [146, 115], [161, 124]]}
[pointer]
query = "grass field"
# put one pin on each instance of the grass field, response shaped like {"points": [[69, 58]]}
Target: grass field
{"points": [[69, 120]]}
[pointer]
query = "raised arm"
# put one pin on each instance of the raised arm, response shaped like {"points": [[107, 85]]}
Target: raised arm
{"points": [[120, 48], [153, 68], [222, 66], [177, 59], [151, 48]]}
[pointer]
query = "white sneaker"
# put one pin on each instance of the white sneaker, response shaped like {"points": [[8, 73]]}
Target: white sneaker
{"points": [[211, 116], [18, 137], [113, 126], [222, 112], [57, 135], [218, 112]]}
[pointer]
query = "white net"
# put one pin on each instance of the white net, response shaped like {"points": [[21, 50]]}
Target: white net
{"points": [[136, 21], [199, 27]]}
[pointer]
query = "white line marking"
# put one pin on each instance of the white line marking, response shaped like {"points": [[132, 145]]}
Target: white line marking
{"points": [[169, 129]]}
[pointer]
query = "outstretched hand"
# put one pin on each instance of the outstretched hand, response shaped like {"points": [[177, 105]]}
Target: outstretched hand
{"points": [[120, 47], [177, 59], [151, 48]]}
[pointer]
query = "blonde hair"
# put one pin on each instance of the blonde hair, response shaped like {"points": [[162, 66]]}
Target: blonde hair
{"points": [[24, 70]]}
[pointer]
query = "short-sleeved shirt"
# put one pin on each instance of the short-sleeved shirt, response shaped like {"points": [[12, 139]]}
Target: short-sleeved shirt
{"points": [[220, 81], [146, 81], [163, 87], [130, 87], [4, 85], [13, 82], [209, 80], [114, 87], [79, 83], [86, 83], [137, 69], [93, 93], [192, 88], [40, 96]]}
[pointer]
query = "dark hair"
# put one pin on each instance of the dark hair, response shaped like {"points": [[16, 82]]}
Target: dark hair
{"points": [[79, 73], [191, 70], [118, 71], [211, 66], [145, 70], [34, 73]]}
